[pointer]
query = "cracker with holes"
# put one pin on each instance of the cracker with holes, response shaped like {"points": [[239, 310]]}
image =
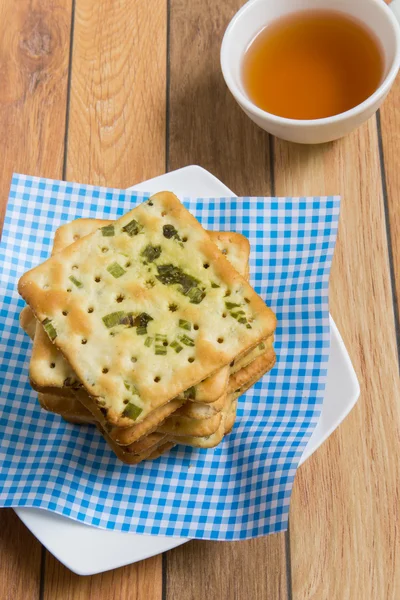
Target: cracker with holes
{"points": [[145, 308], [235, 246], [49, 371]]}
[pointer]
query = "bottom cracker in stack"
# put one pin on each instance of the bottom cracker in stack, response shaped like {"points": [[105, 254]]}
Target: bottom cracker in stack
{"points": [[184, 420]]}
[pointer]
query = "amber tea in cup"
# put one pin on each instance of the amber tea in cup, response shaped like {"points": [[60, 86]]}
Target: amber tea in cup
{"points": [[312, 65]]}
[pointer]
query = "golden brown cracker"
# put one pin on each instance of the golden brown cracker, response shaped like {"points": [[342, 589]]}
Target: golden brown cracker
{"points": [[192, 275]]}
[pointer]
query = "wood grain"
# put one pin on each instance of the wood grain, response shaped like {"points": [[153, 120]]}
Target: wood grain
{"points": [[253, 569], [20, 557], [141, 581], [34, 46], [207, 128], [116, 133], [116, 136], [390, 131], [343, 519]]}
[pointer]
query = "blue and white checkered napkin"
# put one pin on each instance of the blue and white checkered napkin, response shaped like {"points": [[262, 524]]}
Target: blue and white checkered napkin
{"points": [[241, 489]]}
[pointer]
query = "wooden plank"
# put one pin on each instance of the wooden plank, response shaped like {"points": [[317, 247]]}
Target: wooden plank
{"points": [[208, 128], [343, 519], [135, 582], [116, 136], [253, 569], [390, 132], [34, 46], [20, 557]]}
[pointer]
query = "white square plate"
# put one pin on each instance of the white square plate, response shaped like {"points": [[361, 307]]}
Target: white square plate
{"points": [[88, 550]]}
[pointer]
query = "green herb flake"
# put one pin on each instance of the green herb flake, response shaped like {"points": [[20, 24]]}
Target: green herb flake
{"points": [[132, 411], [236, 312], [116, 270], [238, 315], [261, 346], [132, 228], [230, 305], [170, 275], [185, 339], [190, 393], [75, 281], [196, 295], [161, 344], [214, 285], [161, 337], [131, 387], [127, 319], [160, 350], [142, 320], [107, 230], [115, 318], [185, 324], [49, 329], [148, 342], [176, 346], [151, 253], [169, 231]]}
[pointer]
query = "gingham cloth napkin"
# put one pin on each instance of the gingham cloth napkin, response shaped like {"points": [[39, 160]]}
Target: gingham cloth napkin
{"points": [[242, 488]]}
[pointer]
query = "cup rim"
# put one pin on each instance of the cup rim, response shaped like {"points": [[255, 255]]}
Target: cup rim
{"points": [[352, 112]]}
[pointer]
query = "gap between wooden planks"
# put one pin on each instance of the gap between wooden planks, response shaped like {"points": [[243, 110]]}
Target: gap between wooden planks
{"points": [[344, 538], [34, 46], [390, 131], [116, 137], [206, 127]]}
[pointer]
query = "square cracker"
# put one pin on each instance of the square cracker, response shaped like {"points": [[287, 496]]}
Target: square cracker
{"points": [[90, 298], [50, 373]]}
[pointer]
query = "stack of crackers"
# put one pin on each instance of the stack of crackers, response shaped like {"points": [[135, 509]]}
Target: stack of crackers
{"points": [[146, 327]]}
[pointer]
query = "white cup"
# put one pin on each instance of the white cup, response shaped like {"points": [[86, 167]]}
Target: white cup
{"points": [[256, 14]]}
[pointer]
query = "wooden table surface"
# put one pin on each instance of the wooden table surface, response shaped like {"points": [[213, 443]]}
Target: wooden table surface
{"points": [[114, 92]]}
